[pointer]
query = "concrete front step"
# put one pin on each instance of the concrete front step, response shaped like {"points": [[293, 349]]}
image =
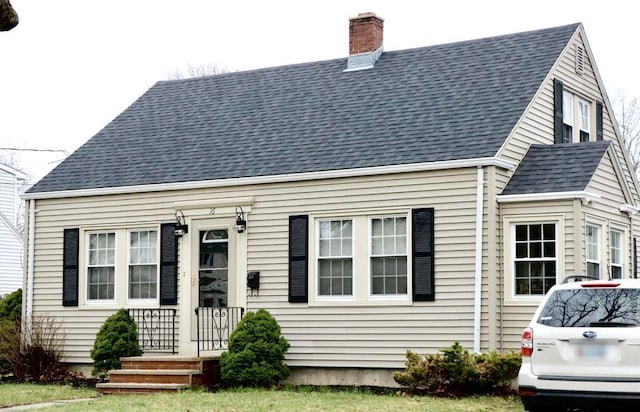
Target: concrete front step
{"points": [[137, 388]]}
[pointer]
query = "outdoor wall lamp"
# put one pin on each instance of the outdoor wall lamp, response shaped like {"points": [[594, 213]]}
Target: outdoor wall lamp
{"points": [[181, 227], [241, 224]]}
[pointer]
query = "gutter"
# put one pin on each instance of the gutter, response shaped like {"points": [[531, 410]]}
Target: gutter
{"points": [[282, 178], [585, 197], [477, 298], [30, 262]]}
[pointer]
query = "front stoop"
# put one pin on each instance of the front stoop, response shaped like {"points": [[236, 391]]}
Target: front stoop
{"points": [[153, 374]]}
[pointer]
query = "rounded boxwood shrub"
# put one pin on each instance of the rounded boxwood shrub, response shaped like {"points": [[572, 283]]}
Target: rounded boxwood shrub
{"points": [[117, 337], [256, 353]]}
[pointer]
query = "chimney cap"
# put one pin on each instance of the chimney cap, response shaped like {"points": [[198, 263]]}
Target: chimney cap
{"points": [[366, 15]]}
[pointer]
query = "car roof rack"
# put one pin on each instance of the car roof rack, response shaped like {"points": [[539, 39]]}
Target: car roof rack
{"points": [[579, 278]]}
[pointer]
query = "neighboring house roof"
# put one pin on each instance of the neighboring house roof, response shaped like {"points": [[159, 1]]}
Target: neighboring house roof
{"points": [[20, 175], [556, 168], [438, 103]]}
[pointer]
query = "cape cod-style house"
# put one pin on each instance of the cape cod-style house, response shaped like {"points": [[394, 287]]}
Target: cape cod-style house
{"points": [[386, 201]]}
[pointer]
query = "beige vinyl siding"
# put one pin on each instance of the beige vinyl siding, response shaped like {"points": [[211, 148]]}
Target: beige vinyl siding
{"points": [[341, 335], [536, 125], [606, 212], [515, 317]]}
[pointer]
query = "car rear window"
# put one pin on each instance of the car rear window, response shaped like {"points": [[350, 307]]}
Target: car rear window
{"points": [[614, 307]]}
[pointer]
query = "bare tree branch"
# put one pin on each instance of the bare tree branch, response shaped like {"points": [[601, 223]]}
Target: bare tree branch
{"points": [[627, 112], [200, 70]]}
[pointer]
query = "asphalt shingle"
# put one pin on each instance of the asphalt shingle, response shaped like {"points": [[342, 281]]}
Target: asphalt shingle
{"points": [[556, 168], [445, 102]]}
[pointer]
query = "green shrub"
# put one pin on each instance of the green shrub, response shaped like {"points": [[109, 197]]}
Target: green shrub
{"points": [[117, 337], [10, 312], [456, 372], [256, 353], [11, 306]]}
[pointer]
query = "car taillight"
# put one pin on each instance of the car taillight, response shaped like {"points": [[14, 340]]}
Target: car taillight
{"points": [[527, 342]]}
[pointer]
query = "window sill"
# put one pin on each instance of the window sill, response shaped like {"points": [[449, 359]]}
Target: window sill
{"points": [[523, 301]]}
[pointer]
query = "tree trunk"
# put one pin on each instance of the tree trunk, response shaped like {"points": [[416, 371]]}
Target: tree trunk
{"points": [[8, 16]]}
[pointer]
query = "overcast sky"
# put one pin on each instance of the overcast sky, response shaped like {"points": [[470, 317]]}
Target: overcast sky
{"points": [[71, 66]]}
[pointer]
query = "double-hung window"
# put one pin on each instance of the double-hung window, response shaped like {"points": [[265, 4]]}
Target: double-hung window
{"points": [[593, 250], [535, 261], [101, 266], [143, 264], [567, 117], [584, 114], [388, 265], [335, 257], [615, 244], [576, 118]]}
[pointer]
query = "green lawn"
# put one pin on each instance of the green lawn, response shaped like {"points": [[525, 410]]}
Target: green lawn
{"points": [[21, 394], [254, 400]]}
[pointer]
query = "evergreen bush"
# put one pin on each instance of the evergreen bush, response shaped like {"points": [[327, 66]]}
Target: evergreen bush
{"points": [[11, 306], [256, 353], [456, 372], [117, 337]]}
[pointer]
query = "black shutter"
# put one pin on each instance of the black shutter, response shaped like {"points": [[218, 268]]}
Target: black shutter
{"points": [[558, 126], [168, 264], [423, 257], [70, 250], [298, 260], [599, 132]]}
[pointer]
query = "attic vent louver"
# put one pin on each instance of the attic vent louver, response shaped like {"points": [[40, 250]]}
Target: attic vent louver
{"points": [[579, 59], [365, 41]]}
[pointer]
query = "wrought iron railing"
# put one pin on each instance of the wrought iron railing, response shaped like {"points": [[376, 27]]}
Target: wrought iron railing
{"points": [[156, 329], [215, 325]]}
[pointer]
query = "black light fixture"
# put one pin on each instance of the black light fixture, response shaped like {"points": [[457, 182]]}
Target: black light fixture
{"points": [[181, 227], [241, 224]]}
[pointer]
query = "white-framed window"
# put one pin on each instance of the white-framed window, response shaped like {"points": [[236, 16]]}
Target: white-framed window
{"points": [[535, 260], [388, 256], [361, 258], [335, 257], [616, 256], [101, 266], [567, 116], [593, 250], [143, 264], [584, 117], [576, 118]]}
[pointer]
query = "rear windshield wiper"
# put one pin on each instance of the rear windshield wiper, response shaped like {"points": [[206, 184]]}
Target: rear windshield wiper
{"points": [[612, 324]]}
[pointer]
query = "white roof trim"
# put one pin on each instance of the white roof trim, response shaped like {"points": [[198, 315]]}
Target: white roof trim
{"points": [[11, 228], [283, 178], [629, 209], [586, 197]]}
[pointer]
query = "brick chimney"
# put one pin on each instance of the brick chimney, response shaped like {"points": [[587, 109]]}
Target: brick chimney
{"points": [[365, 41], [365, 33]]}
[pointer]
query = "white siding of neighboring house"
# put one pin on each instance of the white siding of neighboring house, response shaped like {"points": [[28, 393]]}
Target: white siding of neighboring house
{"points": [[323, 336], [10, 240]]}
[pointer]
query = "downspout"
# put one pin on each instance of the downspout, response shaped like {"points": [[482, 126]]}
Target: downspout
{"points": [[477, 299], [30, 258]]}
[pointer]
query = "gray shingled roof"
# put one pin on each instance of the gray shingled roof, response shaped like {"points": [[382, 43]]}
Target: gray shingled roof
{"points": [[556, 168], [446, 102]]}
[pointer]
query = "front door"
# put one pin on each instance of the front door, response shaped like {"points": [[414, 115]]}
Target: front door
{"points": [[213, 268], [215, 280]]}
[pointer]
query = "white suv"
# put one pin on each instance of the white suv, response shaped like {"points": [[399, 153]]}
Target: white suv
{"points": [[582, 348]]}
